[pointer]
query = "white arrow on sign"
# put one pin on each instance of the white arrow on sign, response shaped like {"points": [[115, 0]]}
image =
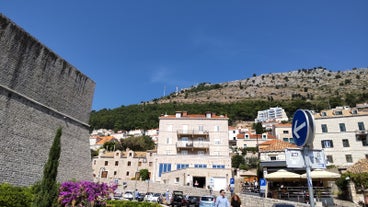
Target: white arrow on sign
{"points": [[297, 128]]}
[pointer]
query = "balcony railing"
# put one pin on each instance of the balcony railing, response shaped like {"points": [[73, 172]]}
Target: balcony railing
{"points": [[361, 134], [192, 144], [192, 132]]}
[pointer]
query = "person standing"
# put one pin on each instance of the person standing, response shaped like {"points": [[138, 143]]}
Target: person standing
{"points": [[221, 200], [235, 201]]}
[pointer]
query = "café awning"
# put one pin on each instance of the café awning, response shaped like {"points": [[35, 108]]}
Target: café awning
{"points": [[322, 174], [282, 175]]}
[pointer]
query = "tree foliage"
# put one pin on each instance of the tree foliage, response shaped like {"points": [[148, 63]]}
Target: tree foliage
{"points": [[47, 191], [14, 196], [237, 160]]}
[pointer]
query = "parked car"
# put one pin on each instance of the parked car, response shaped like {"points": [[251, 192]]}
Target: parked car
{"points": [[193, 201], [178, 199], [118, 196], [128, 195], [156, 197], [207, 201], [140, 196], [148, 196]]}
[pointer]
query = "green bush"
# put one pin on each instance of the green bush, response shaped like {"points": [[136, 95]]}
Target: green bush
{"points": [[12, 196], [116, 203]]}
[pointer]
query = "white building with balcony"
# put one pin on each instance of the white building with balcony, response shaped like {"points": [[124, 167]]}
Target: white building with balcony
{"points": [[273, 114], [193, 149]]}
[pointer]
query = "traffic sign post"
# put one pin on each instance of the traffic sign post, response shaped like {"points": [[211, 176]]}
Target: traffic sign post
{"points": [[303, 129]]}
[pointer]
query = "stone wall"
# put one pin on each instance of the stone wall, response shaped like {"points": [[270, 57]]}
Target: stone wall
{"points": [[40, 92]]}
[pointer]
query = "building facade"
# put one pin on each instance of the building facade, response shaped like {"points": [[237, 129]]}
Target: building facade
{"points": [[342, 133], [193, 150]]}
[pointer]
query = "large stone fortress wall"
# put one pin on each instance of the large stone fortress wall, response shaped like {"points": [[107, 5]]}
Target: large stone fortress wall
{"points": [[40, 92]]}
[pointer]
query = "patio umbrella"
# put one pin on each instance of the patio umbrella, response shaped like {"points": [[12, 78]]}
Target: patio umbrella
{"points": [[322, 174], [282, 175]]}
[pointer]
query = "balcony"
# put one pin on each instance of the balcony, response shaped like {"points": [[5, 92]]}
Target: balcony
{"points": [[192, 133], [192, 144], [361, 134]]}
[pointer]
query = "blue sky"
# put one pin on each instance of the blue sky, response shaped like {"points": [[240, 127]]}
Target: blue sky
{"points": [[136, 49]]}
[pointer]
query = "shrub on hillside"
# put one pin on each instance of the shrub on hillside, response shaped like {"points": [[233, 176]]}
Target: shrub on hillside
{"points": [[12, 196]]}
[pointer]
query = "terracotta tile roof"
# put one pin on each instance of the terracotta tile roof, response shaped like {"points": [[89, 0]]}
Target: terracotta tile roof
{"points": [[359, 167], [105, 139], [275, 145]]}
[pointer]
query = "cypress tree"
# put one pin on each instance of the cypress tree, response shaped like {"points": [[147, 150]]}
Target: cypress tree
{"points": [[47, 191]]}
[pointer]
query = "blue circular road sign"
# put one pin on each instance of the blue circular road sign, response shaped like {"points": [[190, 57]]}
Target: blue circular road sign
{"points": [[303, 127]]}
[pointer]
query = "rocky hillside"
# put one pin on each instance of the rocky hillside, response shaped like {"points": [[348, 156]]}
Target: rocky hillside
{"points": [[306, 84]]}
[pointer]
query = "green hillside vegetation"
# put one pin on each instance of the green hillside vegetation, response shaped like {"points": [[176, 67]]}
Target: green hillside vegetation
{"points": [[145, 116]]}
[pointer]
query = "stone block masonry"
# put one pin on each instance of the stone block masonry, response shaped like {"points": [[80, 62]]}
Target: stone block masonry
{"points": [[40, 92]]}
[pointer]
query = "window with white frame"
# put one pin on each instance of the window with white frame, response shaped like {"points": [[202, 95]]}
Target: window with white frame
{"points": [[329, 158], [342, 127], [349, 158], [345, 143], [216, 128], [217, 141], [324, 128], [327, 143], [361, 126], [184, 152]]}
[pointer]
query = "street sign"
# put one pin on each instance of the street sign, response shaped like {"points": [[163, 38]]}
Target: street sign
{"points": [[295, 158], [232, 181], [303, 127]]}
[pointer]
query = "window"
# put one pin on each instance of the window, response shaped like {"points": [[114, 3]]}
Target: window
{"points": [[127, 173], [342, 127], [216, 128], [129, 163], [177, 179], [329, 158], [164, 167], [285, 139], [246, 136], [200, 166], [327, 144], [217, 141], [349, 158], [244, 145], [218, 166], [264, 136], [285, 132], [115, 172], [200, 153], [106, 163], [273, 158], [150, 164], [324, 128], [181, 166], [168, 140], [94, 162], [345, 143], [184, 152], [292, 140], [104, 174], [116, 163], [200, 128], [338, 112], [361, 126], [323, 113], [354, 111]]}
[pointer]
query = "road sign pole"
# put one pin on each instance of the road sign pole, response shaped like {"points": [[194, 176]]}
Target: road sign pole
{"points": [[309, 179]]}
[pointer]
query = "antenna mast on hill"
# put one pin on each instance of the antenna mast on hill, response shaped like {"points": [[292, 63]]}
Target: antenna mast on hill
{"points": [[164, 90]]}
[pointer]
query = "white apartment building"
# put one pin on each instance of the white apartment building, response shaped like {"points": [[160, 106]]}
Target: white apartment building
{"points": [[193, 149], [273, 114], [283, 132], [342, 133]]}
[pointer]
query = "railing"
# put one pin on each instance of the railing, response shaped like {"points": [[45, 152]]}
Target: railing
{"points": [[193, 132], [193, 144]]}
